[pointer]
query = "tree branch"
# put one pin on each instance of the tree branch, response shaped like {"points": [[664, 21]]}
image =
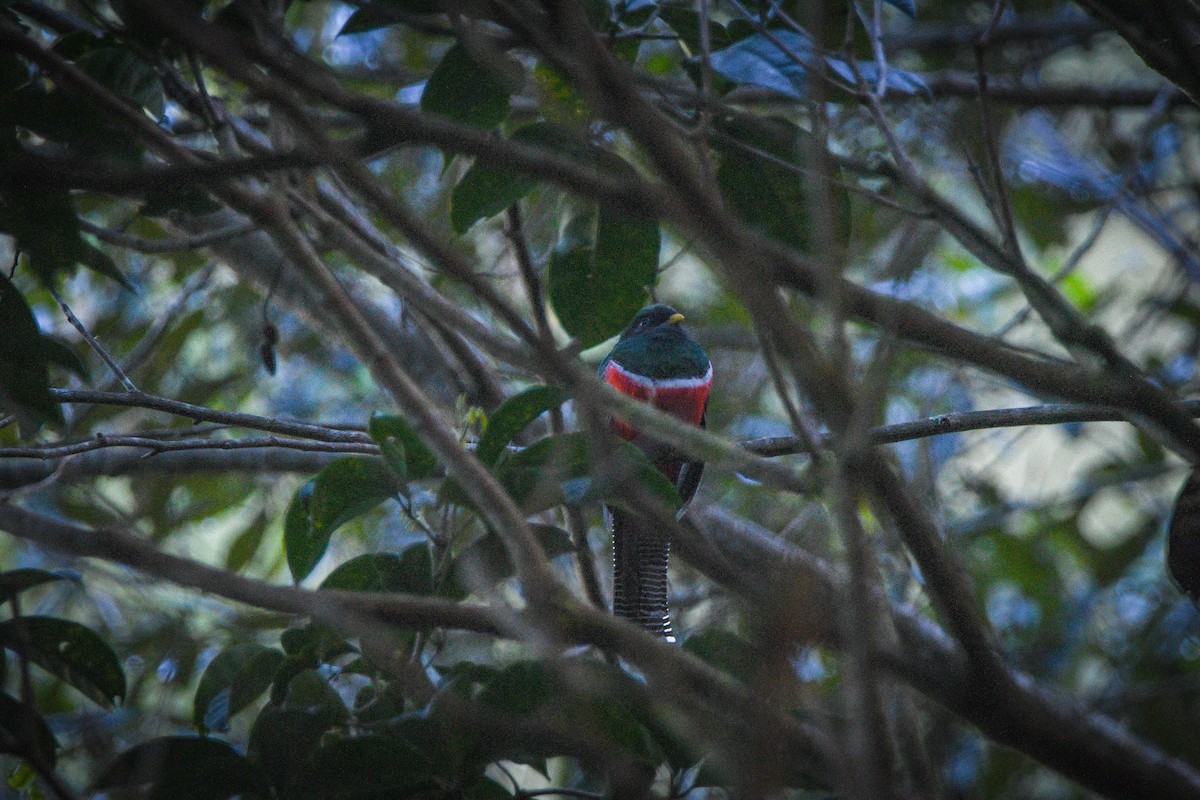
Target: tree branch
{"points": [[353, 610], [1050, 727]]}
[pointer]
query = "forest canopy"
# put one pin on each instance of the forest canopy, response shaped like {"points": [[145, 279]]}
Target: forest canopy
{"points": [[304, 456]]}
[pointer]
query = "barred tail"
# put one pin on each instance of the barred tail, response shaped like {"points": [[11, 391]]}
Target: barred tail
{"points": [[640, 556]]}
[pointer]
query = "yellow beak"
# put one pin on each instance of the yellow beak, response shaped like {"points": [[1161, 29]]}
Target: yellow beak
{"points": [[675, 319]]}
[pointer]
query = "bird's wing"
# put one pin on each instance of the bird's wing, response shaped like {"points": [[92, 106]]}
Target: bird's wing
{"points": [[689, 476]]}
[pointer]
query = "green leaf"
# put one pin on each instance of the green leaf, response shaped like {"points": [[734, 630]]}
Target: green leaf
{"points": [[402, 448], [521, 688], [512, 417], [465, 90], [485, 562], [596, 290], [15, 581], [44, 224], [13, 73], [69, 651], [345, 489], [127, 75], [24, 374], [308, 691], [759, 60], [282, 738], [17, 720], [410, 572], [367, 19], [99, 261], [686, 23], [233, 680], [348, 488], [534, 477], [384, 14], [59, 352], [58, 112], [300, 544], [726, 651], [314, 640], [486, 190], [183, 768], [486, 789], [364, 766], [559, 469], [247, 544], [767, 195]]}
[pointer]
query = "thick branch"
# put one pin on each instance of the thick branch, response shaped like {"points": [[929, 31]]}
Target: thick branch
{"points": [[1048, 726], [344, 609]]}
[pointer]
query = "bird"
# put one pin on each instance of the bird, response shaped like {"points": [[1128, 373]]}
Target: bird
{"points": [[1183, 538], [656, 361]]}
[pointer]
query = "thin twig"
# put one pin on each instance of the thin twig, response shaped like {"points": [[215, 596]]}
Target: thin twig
{"points": [[175, 244], [95, 345], [307, 430], [1002, 206], [156, 445], [585, 561]]}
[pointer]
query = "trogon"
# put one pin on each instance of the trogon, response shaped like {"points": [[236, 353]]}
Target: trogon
{"points": [[655, 361]]}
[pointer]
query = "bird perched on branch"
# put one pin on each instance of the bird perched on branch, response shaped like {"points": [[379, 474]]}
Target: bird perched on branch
{"points": [[1183, 538], [656, 361]]}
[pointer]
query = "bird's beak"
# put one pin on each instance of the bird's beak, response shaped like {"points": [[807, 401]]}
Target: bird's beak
{"points": [[675, 319]]}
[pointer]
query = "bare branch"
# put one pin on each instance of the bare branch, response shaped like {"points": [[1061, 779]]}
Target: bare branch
{"points": [[173, 245], [157, 445], [306, 430], [355, 611]]}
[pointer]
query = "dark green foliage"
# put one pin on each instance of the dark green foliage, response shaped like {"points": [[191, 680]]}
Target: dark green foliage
{"points": [[685, 22], [485, 561], [385, 13], [599, 274], [43, 222], [233, 680], [726, 651], [403, 449], [24, 370], [344, 490], [184, 768], [561, 469], [15, 581], [761, 179], [17, 721], [487, 190], [465, 90], [127, 75], [410, 572], [368, 766], [1061, 539], [70, 652], [247, 544], [512, 417]]}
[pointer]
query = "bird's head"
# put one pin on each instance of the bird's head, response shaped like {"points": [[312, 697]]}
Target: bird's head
{"points": [[654, 318]]}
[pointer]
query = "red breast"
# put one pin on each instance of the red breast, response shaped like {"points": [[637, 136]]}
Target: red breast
{"points": [[684, 398]]}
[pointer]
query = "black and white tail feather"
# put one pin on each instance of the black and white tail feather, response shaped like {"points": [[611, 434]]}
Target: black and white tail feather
{"points": [[641, 555]]}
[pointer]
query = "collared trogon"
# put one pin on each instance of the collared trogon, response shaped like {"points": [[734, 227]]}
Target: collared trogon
{"points": [[656, 361]]}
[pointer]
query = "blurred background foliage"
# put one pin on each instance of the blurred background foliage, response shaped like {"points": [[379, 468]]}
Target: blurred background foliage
{"points": [[1060, 528]]}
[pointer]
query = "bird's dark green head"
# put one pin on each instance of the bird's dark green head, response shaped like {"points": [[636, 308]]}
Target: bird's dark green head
{"points": [[657, 315], [656, 345]]}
